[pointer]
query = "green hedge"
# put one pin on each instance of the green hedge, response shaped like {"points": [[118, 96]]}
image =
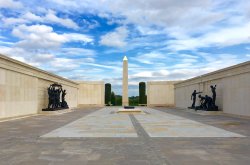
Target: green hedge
{"points": [[118, 100], [133, 100], [107, 93], [113, 99], [142, 93]]}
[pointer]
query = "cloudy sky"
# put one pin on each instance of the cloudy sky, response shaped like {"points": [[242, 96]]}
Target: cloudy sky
{"points": [[163, 39]]}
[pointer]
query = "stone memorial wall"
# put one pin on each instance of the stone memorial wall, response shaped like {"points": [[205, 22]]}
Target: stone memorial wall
{"points": [[91, 93], [23, 88], [233, 89], [160, 93]]}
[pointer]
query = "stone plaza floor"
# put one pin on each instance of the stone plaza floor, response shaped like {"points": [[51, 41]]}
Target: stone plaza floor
{"points": [[159, 136]]}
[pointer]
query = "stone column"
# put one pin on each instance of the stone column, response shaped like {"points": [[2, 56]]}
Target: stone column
{"points": [[125, 82]]}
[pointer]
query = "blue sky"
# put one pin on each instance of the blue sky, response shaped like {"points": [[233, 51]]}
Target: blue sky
{"points": [[163, 39]]}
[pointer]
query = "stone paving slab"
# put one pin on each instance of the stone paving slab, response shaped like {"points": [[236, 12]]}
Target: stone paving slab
{"points": [[160, 124], [101, 123]]}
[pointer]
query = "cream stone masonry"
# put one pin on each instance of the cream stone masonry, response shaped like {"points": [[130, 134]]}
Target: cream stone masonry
{"points": [[125, 82], [160, 93], [23, 88], [233, 89], [91, 93]]}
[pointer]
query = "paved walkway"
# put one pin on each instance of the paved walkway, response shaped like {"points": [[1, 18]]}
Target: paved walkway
{"points": [[102, 123], [101, 136], [106, 122]]}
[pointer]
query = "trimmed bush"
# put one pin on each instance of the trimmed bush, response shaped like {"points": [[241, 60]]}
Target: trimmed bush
{"points": [[142, 93], [113, 99], [118, 100], [107, 93], [133, 100]]}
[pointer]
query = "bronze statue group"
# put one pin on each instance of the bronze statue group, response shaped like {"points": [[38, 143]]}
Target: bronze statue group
{"points": [[206, 102], [56, 94]]}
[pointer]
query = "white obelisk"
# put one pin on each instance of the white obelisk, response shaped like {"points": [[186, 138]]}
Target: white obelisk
{"points": [[125, 82]]}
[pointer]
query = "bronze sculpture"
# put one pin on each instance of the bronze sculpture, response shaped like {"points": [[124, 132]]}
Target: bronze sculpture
{"points": [[206, 102], [213, 88], [64, 103], [193, 97], [55, 96]]}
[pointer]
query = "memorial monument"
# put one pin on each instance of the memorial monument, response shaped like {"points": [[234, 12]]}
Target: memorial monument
{"points": [[207, 103], [56, 94], [125, 102], [125, 82]]}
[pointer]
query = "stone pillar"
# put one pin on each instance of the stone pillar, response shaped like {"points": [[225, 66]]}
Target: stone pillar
{"points": [[125, 82]]}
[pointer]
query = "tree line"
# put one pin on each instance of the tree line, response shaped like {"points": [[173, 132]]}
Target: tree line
{"points": [[111, 99]]}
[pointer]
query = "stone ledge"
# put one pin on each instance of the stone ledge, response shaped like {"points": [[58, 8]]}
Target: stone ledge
{"points": [[58, 112], [203, 112], [135, 110], [16, 117], [161, 105], [90, 105]]}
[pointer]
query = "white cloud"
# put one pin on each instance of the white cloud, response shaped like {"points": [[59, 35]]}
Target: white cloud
{"points": [[172, 17], [149, 58], [168, 13], [103, 66], [10, 4], [186, 66], [9, 51], [32, 17], [144, 30], [152, 55], [46, 61], [63, 65], [40, 46], [6, 43], [77, 37], [50, 17], [43, 37], [90, 24], [221, 38], [163, 13], [22, 59], [29, 57], [37, 36], [13, 21], [116, 38], [142, 74], [76, 52]]}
